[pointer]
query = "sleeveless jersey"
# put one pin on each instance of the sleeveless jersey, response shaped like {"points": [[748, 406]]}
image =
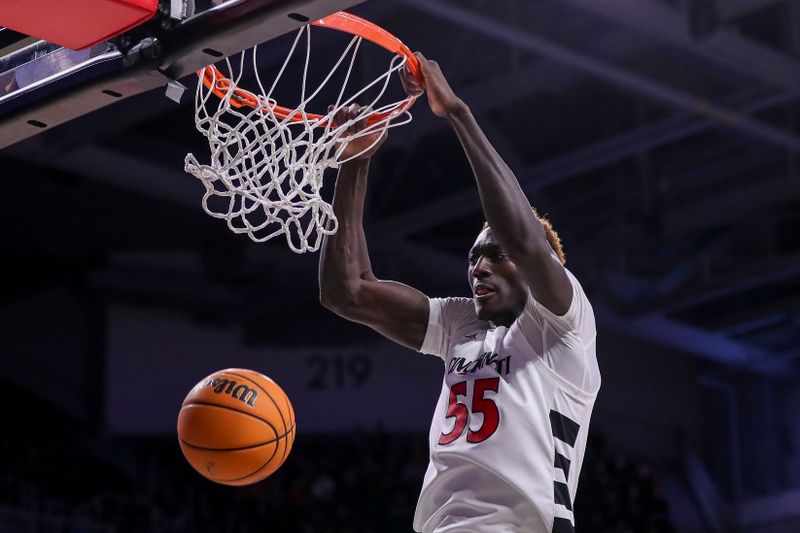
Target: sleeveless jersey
{"points": [[509, 430]]}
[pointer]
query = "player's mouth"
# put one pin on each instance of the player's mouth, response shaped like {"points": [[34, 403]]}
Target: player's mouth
{"points": [[483, 291]]}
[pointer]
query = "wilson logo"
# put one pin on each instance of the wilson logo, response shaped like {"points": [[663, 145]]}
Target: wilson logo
{"points": [[240, 391]]}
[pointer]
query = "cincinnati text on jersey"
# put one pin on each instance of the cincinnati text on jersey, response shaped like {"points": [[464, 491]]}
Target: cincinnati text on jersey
{"points": [[460, 365]]}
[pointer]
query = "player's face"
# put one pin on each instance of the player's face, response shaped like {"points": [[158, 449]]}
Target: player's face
{"points": [[498, 290]]}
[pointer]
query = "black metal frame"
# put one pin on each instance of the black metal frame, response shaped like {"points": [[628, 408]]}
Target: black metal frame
{"points": [[167, 54]]}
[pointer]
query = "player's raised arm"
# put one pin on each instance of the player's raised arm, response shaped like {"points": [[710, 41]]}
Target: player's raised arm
{"points": [[347, 285], [505, 206]]}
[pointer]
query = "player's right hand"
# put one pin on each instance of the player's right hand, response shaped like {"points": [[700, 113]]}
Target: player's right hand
{"points": [[441, 97], [362, 147]]}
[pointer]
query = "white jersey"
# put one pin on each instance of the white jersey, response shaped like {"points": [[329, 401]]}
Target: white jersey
{"points": [[510, 427]]}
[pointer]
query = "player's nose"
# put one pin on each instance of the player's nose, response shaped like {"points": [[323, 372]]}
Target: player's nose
{"points": [[481, 268]]}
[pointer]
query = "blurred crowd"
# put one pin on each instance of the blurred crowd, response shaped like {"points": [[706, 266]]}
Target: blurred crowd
{"points": [[54, 480], [618, 495]]}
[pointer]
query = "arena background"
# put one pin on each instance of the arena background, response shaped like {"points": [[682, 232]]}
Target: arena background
{"points": [[661, 137]]}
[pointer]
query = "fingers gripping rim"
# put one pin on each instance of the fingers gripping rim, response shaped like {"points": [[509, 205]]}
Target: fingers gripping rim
{"points": [[342, 21]]}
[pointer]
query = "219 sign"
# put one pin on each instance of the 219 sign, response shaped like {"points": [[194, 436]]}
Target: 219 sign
{"points": [[338, 371]]}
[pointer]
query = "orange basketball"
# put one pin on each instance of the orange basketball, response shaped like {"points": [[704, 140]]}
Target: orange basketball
{"points": [[236, 427]]}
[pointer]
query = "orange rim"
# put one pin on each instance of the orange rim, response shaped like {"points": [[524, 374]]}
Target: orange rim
{"points": [[342, 21]]}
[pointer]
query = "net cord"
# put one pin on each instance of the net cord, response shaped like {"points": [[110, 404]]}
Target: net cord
{"points": [[264, 175]]}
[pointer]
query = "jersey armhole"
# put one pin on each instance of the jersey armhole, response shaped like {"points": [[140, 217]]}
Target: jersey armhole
{"points": [[564, 384], [436, 339]]}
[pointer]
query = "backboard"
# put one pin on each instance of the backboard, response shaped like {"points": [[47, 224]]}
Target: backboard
{"points": [[43, 85]]}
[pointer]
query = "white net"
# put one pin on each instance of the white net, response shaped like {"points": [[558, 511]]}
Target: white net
{"points": [[266, 165]]}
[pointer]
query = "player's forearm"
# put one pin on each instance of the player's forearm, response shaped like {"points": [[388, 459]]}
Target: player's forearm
{"points": [[505, 205], [344, 259]]}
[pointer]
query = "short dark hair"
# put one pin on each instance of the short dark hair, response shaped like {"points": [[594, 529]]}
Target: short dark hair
{"points": [[552, 236]]}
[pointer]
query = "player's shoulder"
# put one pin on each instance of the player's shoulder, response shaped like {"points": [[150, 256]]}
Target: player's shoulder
{"points": [[579, 317], [457, 302], [456, 310], [456, 305], [580, 299]]}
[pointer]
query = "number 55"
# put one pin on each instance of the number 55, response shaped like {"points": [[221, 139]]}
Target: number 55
{"points": [[480, 404]]}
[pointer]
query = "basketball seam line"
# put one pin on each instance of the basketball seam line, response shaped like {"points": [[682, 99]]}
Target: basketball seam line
{"points": [[257, 384], [261, 466], [290, 411], [267, 422], [265, 463], [276, 439]]}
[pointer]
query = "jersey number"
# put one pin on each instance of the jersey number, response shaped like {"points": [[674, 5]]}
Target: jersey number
{"points": [[459, 411]]}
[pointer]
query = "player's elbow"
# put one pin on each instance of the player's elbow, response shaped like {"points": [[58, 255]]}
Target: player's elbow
{"points": [[340, 299]]}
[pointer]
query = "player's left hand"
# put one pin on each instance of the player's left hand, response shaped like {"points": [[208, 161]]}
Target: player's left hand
{"points": [[362, 147]]}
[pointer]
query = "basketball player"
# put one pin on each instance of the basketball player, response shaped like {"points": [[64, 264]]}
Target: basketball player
{"points": [[520, 372]]}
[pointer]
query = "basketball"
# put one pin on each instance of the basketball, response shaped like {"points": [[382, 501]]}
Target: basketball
{"points": [[236, 427]]}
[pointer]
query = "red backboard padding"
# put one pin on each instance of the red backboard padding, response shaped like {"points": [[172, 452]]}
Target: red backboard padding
{"points": [[75, 24]]}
